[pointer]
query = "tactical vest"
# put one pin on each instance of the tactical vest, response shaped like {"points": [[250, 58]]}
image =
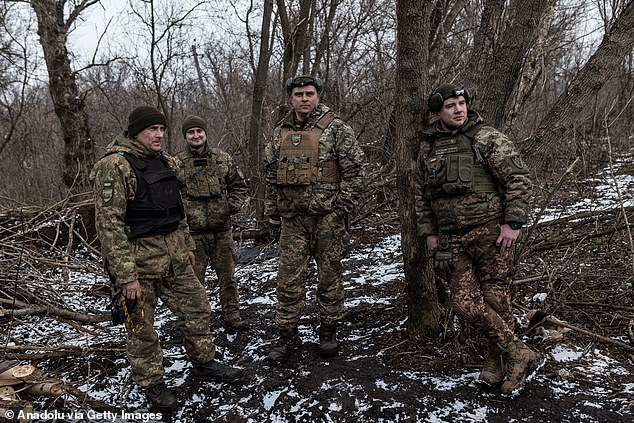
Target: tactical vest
{"points": [[299, 163], [456, 168], [202, 178], [156, 207]]}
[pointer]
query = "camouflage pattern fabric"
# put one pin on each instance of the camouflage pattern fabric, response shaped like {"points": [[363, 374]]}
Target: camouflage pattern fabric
{"points": [[183, 294], [324, 238], [310, 226], [499, 155], [159, 262], [218, 249], [213, 188], [114, 185], [337, 142], [480, 284]]}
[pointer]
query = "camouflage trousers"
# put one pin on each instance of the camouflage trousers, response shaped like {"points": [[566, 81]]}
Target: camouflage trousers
{"points": [[219, 250], [480, 283], [323, 238], [186, 298]]}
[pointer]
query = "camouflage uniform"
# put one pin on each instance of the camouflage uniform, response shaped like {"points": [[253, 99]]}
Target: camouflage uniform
{"points": [[312, 214], [213, 190], [160, 263], [469, 222]]}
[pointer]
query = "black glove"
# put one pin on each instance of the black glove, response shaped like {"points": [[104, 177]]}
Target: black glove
{"points": [[275, 227], [442, 261], [344, 216]]}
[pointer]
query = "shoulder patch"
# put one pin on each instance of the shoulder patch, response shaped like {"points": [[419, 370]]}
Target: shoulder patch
{"points": [[107, 190], [518, 165]]}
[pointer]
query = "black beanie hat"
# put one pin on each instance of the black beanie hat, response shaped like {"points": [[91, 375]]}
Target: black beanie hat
{"points": [[193, 121], [142, 117], [444, 92]]}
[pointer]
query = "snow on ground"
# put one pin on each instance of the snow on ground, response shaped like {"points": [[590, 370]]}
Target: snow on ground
{"points": [[358, 385], [578, 383]]}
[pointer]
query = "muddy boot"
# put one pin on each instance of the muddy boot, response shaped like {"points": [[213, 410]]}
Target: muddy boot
{"points": [[328, 345], [492, 372], [287, 342], [217, 371], [236, 325], [521, 362], [161, 398]]}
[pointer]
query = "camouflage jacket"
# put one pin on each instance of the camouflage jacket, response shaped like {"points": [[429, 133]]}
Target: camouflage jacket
{"points": [[337, 142], [213, 188], [126, 260], [497, 154]]}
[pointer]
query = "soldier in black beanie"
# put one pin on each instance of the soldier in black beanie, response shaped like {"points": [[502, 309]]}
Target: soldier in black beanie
{"points": [[142, 117], [148, 253]]}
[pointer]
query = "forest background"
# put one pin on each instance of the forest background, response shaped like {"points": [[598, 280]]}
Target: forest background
{"points": [[555, 75]]}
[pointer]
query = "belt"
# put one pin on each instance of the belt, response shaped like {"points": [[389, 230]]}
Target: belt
{"points": [[459, 232]]}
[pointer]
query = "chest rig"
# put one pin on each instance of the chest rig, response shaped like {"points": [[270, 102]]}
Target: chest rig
{"points": [[299, 163], [455, 168], [201, 177]]}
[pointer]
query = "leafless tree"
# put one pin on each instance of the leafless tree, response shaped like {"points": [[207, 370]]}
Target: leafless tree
{"points": [[164, 31], [256, 141], [605, 62], [53, 29], [413, 17]]}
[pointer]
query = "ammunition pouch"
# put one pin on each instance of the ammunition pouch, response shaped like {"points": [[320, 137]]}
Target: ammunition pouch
{"points": [[299, 162], [455, 167]]}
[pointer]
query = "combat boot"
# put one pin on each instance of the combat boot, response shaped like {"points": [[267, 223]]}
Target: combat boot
{"points": [[161, 398], [287, 342], [492, 372], [236, 325], [217, 371], [328, 345], [521, 362]]}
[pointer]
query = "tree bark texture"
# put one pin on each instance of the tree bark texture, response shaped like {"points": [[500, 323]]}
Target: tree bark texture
{"points": [[255, 133], [79, 148], [602, 65], [413, 22], [497, 79]]}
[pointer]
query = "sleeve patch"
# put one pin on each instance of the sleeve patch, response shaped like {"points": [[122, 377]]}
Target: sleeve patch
{"points": [[107, 190], [518, 165]]}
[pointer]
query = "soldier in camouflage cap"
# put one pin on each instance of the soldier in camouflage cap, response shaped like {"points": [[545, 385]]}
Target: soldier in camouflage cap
{"points": [[147, 251], [213, 190], [313, 180], [472, 199]]}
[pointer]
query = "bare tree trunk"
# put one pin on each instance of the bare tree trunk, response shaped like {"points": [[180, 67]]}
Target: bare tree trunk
{"points": [[256, 171], [324, 42], [531, 69], [604, 63], [413, 21], [441, 23], [201, 79], [295, 35], [503, 69], [483, 42], [79, 147]]}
